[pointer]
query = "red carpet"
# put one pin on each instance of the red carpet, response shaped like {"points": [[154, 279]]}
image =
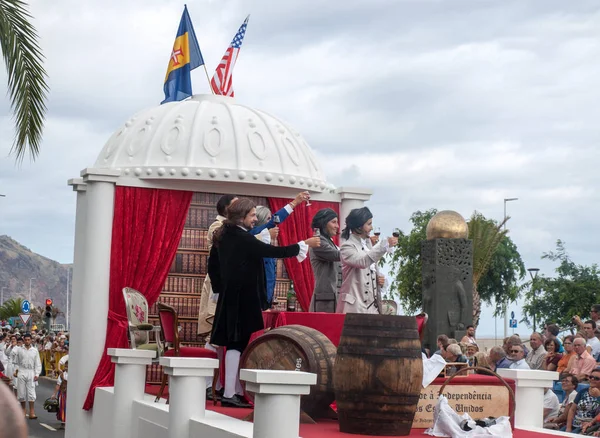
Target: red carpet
{"points": [[325, 428]]}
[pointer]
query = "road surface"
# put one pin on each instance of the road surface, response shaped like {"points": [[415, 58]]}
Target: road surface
{"points": [[46, 425]]}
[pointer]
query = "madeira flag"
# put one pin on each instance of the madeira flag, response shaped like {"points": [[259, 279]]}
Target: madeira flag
{"points": [[185, 57]]}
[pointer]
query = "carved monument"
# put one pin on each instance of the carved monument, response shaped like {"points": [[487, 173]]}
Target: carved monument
{"points": [[447, 273]]}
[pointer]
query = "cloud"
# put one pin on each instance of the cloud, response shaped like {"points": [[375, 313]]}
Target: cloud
{"points": [[452, 105]]}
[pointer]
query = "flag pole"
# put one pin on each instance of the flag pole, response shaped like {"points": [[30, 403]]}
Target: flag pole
{"points": [[208, 79]]}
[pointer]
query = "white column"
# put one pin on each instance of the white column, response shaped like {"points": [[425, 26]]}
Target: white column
{"points": [[91, 273], [130, 382], [529, 394], [187, 391], [351, 198], [277, 400]]}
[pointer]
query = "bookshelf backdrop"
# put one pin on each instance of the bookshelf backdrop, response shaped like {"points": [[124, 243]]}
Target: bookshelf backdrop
{"points": [[183, 287]]}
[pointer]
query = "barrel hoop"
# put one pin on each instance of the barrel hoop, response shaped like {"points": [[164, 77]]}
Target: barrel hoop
{"points": [[367, 332], [392, 353], [357, 320]]}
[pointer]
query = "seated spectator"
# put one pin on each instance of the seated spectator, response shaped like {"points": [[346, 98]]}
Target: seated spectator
{"points": [[482, 360], [551, 404], [583, 409], [569, 353], [472, 350], [453, 353], [568, 383], [551, 332], [517, 357], [593, 344], [442, 341], [552, 356], [535, 358], [498, 358], [583, 363]]}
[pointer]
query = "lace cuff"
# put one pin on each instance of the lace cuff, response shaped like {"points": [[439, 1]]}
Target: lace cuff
{"points": [[303, 251]]}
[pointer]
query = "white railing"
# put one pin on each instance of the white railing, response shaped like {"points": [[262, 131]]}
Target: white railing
{"points": [[125, 411]]}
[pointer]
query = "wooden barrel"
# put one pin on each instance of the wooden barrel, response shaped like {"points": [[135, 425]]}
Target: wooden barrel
{"points": [[296, 347], [378, 374]]}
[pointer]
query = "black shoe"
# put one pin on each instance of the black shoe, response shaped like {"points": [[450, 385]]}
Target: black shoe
{"points": [[234, 402]]}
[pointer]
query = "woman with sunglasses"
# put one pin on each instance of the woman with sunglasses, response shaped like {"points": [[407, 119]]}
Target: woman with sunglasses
{"points": [[584, 406]]}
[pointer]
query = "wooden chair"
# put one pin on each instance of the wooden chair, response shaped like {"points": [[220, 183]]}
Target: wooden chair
{"points": [[169, 326], [137, 318]]}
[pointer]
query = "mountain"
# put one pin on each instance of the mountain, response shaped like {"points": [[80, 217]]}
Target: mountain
{"points": [[19, 264]]}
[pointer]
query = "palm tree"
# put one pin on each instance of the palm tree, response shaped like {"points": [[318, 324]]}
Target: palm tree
{"points": [[11, 308], [27, 86], [486, 235]]}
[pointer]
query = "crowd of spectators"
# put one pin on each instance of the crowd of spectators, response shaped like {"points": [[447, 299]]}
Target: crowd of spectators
{"points": [[575, 356]]}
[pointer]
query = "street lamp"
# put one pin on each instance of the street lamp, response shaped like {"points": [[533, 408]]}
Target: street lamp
{"points": [[2, 295], [506, 299], [533, 272], [30, 280]]}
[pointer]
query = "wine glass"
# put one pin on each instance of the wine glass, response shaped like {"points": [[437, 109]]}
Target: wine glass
{"points": [[308, 204], [276, 220], [316, 232], [396, 232], [377, 231]]}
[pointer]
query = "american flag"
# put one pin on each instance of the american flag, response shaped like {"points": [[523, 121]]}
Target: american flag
{"points": [[221, 82]]}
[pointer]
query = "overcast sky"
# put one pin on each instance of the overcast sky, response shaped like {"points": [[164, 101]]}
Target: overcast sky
{"points": [[450, 104]]}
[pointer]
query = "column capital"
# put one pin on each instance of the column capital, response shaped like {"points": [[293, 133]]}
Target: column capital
{"points": [[188, 366], [101, 175], [77, 184], [129, 356], [529, 378], [357, 193], [278, 382]]}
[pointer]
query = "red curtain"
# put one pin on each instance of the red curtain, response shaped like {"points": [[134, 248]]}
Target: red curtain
{"points": [[147, 228], [295, 228]]}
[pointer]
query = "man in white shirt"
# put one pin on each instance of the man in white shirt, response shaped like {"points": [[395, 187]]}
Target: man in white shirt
{"points": [[517, 357], [593, 344], [30, 367], [551, 404]]}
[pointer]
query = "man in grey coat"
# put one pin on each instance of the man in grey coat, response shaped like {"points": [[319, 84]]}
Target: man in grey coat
{"points": [[325, 262]]}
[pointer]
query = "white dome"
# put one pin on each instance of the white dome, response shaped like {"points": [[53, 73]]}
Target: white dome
{"points": [[212, 138]]}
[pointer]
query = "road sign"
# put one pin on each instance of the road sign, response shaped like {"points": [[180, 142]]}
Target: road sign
{"points": [[25, 317], [513, 323], [512, 315], [25, 306]]}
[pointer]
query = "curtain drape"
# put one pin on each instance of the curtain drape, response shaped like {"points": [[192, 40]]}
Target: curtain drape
{"points": [[147, 228], [295, 228]]}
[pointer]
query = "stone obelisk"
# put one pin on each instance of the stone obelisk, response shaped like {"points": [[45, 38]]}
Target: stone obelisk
{"points": [[447, 274]]}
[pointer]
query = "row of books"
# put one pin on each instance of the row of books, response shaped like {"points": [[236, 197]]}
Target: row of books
{"points": [[183, 285], [194, 239], [190, 263], [200, 217], [205, 198], [184, 306]]}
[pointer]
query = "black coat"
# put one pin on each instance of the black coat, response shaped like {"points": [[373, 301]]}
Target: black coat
{"points": [[237, 274]]}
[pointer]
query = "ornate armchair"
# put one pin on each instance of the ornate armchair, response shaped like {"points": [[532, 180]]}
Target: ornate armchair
{"points": [[137, 317]]}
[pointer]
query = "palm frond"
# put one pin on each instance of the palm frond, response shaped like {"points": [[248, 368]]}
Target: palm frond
{"points": [[27, 86], [486, 236]]}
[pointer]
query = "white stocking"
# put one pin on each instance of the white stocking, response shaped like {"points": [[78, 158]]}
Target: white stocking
{"points": [[232, 364]]}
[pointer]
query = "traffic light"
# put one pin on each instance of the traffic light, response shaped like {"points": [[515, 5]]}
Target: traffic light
{"points": [[48, 313]]}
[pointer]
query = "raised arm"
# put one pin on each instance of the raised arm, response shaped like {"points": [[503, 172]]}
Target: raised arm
{"points": [[356, 258]]}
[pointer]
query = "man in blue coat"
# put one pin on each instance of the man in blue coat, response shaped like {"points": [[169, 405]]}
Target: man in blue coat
{"points": [[266, 222]]}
